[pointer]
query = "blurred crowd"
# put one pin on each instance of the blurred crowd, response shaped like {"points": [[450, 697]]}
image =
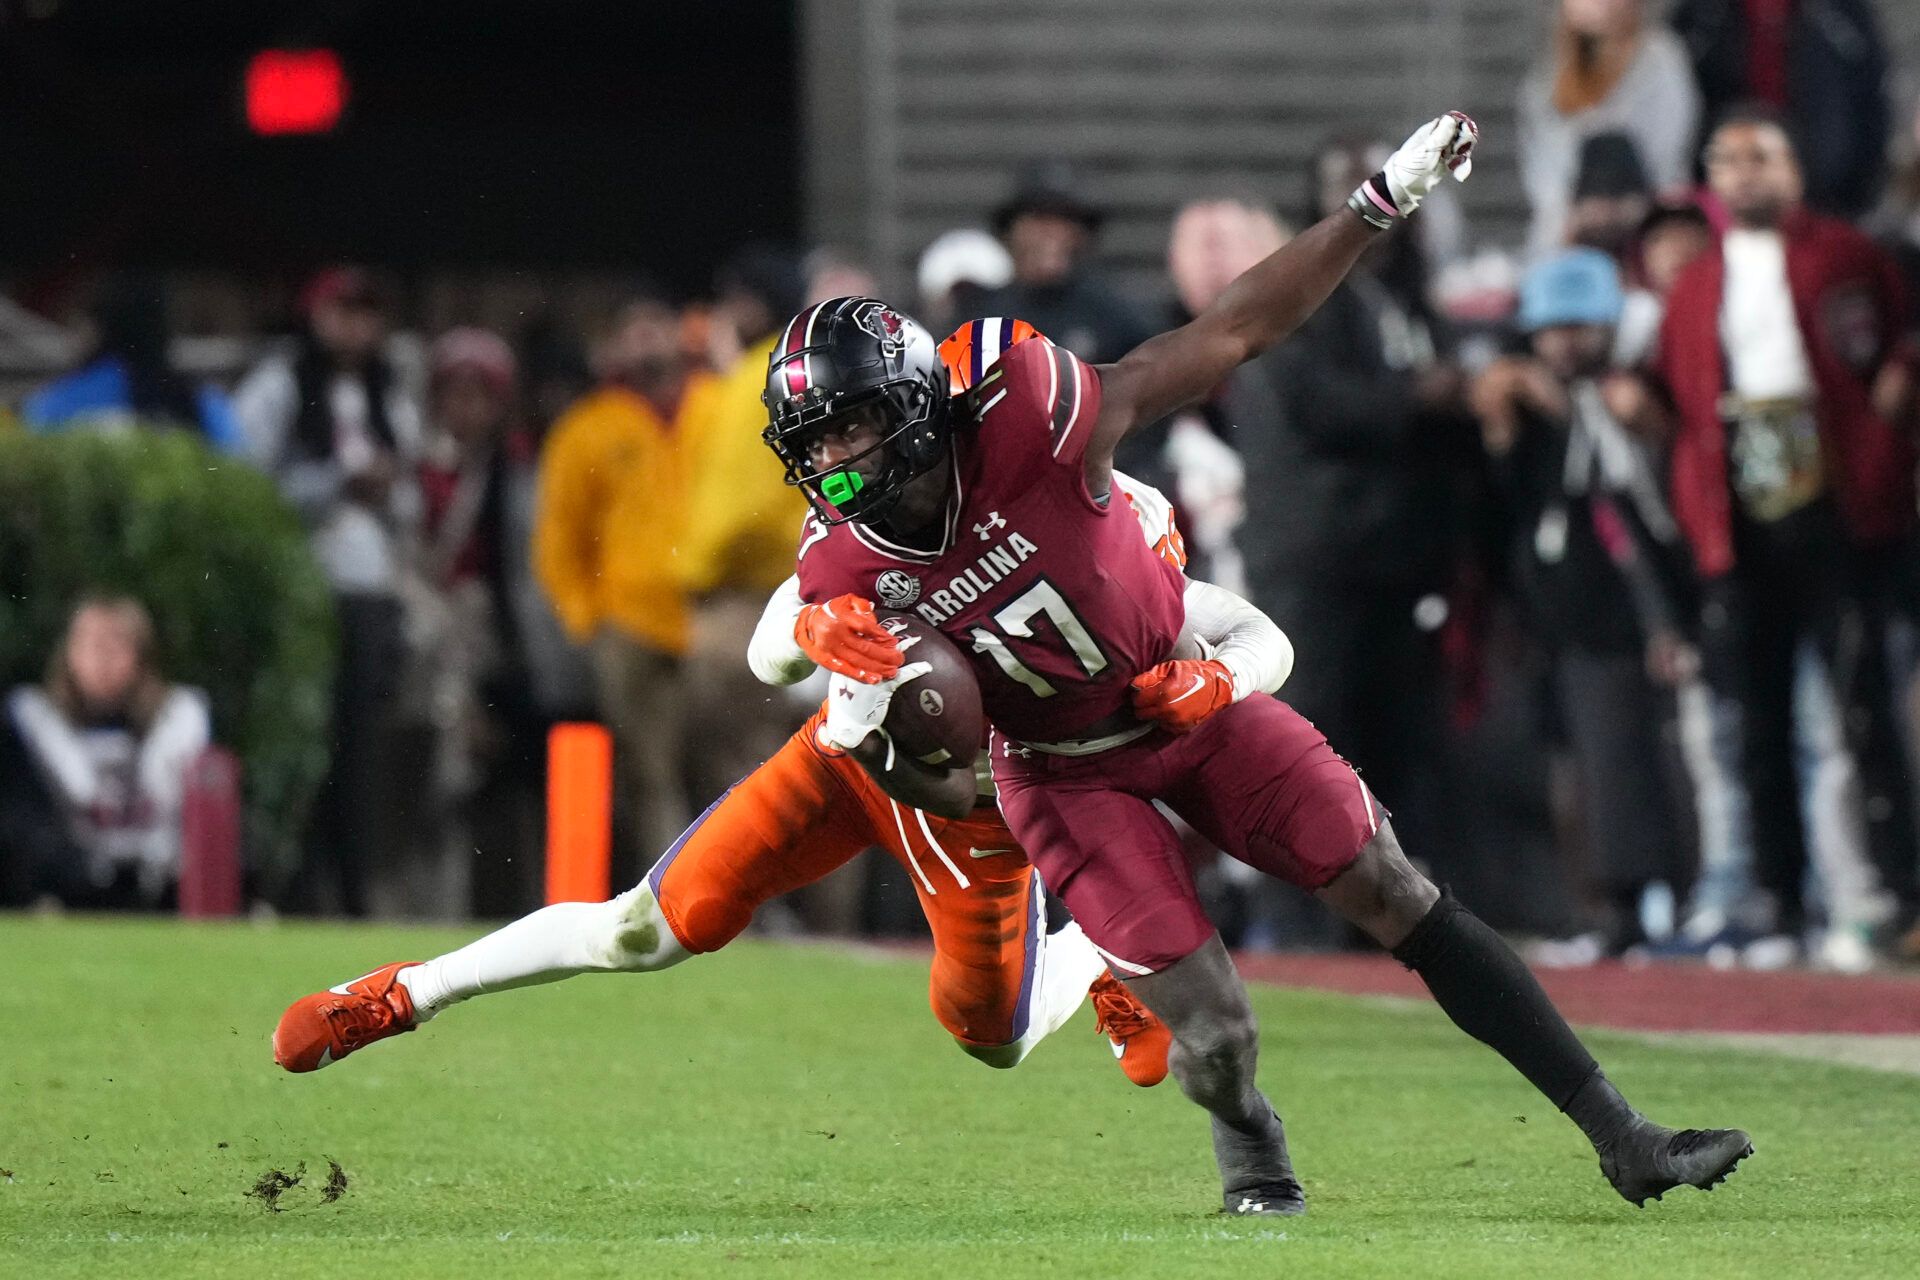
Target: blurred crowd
{"points": [[1604, 554]]}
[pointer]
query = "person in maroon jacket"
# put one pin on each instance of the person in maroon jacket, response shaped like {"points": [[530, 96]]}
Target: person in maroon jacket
{"points": [[1792, 482]]}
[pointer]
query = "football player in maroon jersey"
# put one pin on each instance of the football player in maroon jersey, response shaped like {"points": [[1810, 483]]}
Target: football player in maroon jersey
{"points": [[991, 518]]}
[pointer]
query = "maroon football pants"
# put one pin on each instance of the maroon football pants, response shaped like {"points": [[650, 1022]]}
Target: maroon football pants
{"points": [[1256, 779]]}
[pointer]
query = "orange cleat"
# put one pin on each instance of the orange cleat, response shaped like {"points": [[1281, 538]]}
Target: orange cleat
{"points": [[1140, 1040], [328, 1025]]}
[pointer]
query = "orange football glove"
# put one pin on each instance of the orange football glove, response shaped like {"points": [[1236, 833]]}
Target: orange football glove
{"points": [[1178, 695], [843, 636]]}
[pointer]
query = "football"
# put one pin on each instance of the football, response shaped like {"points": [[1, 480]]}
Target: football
{"points": [[935, 718]]}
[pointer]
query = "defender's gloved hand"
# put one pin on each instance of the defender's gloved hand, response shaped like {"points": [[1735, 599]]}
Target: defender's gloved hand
{"points": [[843, 636], [1437, 148], [1178, 695]]}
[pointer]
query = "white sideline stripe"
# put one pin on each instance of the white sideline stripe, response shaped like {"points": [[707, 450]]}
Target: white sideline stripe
{"points": [[1894, 1053]]}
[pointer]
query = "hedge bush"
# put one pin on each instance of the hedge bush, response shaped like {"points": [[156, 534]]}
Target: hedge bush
{"points": [[240, 607]]}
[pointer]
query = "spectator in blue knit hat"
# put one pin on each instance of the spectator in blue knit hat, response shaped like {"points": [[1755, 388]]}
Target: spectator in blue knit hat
{"points": [[1579, 289], [1592, 558]]}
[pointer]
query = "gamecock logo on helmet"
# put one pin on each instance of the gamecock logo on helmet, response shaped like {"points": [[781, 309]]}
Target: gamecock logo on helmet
{"points": [[884, 324], [897, 588]]}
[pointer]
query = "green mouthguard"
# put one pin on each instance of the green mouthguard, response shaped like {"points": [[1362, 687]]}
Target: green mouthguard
{"points": [[841, 485]]}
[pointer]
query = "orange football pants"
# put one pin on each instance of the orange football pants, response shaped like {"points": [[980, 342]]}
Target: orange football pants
{"points": [[803, 814]]}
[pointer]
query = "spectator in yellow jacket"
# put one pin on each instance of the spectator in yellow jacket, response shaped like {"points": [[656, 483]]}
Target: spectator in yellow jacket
{"points": [[611, 509], [743, 519]]}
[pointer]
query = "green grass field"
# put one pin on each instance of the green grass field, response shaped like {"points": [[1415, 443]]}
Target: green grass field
{"points": [[796, 1111]]}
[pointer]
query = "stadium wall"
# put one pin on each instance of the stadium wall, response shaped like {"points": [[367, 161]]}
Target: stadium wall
{"points": [[918, 114]]}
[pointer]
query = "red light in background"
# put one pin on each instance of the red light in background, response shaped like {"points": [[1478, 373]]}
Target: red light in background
{"points": [[295, 91]]}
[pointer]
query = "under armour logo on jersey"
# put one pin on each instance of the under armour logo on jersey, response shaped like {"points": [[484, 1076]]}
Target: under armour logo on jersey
{"points": [[985, 529], [1015, 749]]}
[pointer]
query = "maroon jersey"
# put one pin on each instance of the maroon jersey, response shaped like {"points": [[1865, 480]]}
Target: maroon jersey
{"points": [[1053, 595]]}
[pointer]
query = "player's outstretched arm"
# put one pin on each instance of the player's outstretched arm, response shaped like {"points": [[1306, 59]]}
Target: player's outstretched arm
{"points": [[1271, 298]]}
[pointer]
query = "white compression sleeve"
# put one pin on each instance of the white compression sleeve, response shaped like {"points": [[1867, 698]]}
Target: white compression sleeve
{"points": [[773, 654], [1244, 640]]}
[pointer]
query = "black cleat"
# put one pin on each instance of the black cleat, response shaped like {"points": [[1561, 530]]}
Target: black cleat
{"points": [[1256, 1172], [1651, 1160], [1282, 1199]]}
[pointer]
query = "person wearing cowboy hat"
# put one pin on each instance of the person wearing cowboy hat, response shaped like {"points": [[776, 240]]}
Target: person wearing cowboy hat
{"points": [[1049, 227]]}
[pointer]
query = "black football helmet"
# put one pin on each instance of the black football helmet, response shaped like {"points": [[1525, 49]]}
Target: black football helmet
{"points": [[846, 354]]}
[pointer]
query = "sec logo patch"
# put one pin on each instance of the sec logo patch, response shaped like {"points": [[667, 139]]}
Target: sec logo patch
{"points": [[897, 588]]}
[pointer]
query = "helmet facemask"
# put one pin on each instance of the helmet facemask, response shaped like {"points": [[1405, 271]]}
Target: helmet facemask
{"points": [[842, 357], [911, 441]]}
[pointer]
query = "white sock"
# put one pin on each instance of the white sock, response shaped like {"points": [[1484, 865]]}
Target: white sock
{"points": [[1069, 966], [1064, 967], [626, 934]]}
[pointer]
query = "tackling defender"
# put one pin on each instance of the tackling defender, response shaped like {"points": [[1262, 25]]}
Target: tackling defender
{"points": [[991, 517], [999, 982]]}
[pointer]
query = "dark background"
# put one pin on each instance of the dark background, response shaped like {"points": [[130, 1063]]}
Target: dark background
{"points": [[561, 134]]}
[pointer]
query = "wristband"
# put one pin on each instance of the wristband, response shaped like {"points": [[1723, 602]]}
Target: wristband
{"points": [[1374, 203]]}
